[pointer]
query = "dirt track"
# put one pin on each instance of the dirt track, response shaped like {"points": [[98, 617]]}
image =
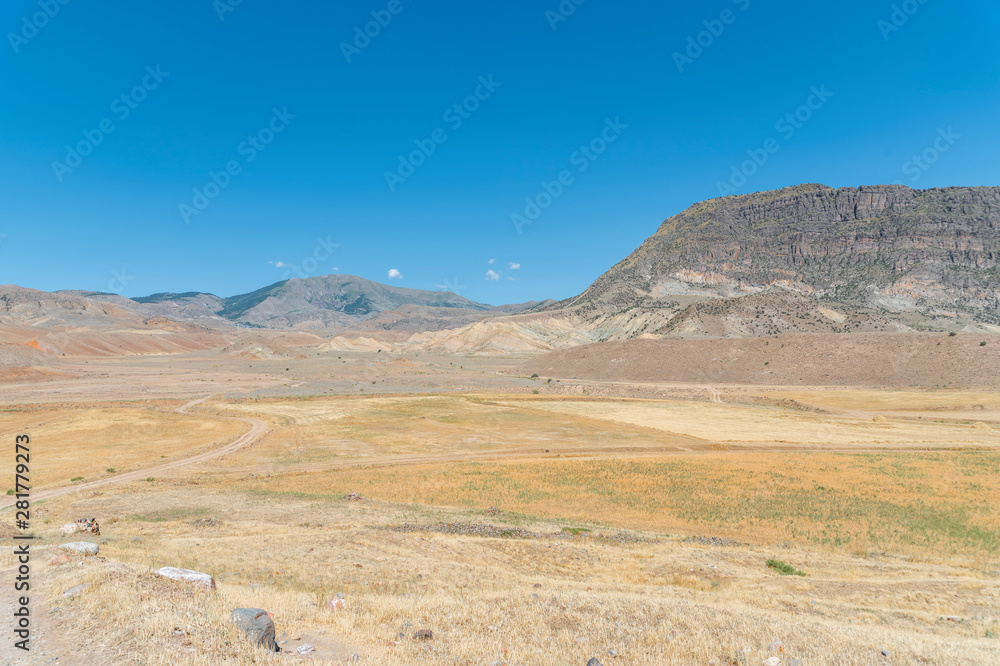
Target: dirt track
{"points": [[257, 429]]}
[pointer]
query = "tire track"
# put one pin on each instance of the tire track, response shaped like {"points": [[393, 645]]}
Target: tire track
{"points": [[257, 429]]}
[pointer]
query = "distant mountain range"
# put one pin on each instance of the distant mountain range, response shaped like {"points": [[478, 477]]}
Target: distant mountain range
{"points": [[324, 302], [806, 259]]}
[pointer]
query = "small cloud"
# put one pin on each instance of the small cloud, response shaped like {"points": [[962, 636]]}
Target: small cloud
{"points": [[492, 275], [278, 264], [334, 269], [512, 279], [395, 274], [491, 261], [514, 266]]}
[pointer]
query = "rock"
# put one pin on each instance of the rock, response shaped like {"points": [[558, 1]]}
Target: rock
{"points": [[886, 653], [953, 618], [82, 547], [189, 576], [776, 647], [69, 528], [423, 635], [336, 603], [75, 590], [612, 652], [793, 662], [258, 626], [304, 649], [772, 661], [594, 662]]}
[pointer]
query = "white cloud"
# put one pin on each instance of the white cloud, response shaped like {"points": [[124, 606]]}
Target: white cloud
{"points": [[394, 274], [278, 264], [492, 275], [491, 261], [514, 266], [334, 269]]}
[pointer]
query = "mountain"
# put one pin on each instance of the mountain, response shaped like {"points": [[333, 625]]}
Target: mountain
{"points": [[872, 253], [331, 300]]}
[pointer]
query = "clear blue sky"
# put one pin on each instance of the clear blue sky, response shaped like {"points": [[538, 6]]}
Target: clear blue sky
{"points": [[894, 94]]}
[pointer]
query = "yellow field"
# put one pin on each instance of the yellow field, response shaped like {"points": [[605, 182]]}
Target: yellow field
{"points": [[67, 443], [309, 433], [548, 599], [639, 526], [928, 502], [774, 425]]}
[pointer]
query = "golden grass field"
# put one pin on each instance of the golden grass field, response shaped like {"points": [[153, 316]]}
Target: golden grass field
{"points": [[641, 526], [84, 442]]}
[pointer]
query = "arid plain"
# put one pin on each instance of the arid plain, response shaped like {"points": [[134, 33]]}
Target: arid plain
{"points": [[522, 519]]}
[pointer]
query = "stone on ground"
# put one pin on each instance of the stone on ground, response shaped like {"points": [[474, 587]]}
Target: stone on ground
{"points": [[257, 625], [83, 547], [189, 576]]}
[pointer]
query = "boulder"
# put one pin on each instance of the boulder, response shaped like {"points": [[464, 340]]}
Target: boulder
{"points": [[82, 547], [257, 625], [423, 635], [189, 576], [69, 528]]}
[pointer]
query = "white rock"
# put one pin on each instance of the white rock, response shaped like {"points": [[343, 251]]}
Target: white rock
{"points": [[773, 661], [69, 528], [195, 577], [84, 547]]}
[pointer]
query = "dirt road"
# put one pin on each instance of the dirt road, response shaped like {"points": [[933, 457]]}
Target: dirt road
{"points": [[257, 429]]}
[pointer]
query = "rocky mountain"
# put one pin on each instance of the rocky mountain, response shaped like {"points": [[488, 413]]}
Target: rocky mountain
{"points": [[873, 253], [329, 301]]}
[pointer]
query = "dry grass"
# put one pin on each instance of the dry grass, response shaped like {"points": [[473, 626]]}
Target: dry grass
{"points": [[892, 542], [308, 433], [76, 442], [770, 425], [928, 502], [543, 601]]}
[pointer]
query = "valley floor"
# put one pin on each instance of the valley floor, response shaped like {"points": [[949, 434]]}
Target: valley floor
{"points": [[521, 520]]}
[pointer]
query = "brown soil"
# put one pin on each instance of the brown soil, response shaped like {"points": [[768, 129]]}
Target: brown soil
{"points": [[863, 359]]}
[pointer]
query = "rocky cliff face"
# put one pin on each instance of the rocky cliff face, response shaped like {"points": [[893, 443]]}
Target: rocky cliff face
{"points": [[884, 247]]}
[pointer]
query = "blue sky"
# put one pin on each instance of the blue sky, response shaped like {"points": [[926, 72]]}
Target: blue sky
{"points": [[300, 131]]}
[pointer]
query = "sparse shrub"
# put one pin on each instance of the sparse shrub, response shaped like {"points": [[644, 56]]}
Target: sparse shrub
{"points": [[952, 334], [535, 392], [983, 343], [534, 375], [784, 568], [76, 478], [110, 470], [10, 492], [149, 479]]}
